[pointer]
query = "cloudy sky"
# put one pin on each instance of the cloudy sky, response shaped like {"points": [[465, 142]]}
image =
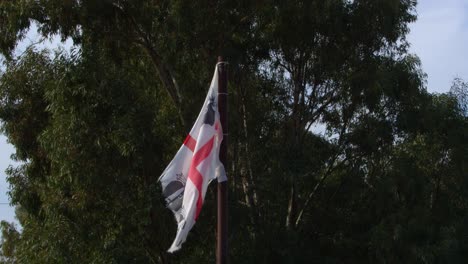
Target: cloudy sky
{"points": [[439, 38]]}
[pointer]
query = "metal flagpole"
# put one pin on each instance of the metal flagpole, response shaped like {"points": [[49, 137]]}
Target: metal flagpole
{"points": [[221, 245]]}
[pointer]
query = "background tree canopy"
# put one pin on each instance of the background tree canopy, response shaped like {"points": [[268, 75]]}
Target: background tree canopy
{"points": [[383, 180]]}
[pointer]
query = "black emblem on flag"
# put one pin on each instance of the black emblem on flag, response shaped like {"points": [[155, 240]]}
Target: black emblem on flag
{"points": [[174, 193], [209, 117]]}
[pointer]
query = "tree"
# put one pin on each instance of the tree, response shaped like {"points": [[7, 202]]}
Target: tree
{"points": [[459, 89], [64, 194], [94, 128], [8, 242]]}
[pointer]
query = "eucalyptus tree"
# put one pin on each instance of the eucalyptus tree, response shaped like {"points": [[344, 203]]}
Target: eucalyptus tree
{"points": [[337, 151]]}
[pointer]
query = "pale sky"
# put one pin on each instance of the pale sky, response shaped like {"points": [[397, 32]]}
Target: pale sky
{"points": [[439, 38]]}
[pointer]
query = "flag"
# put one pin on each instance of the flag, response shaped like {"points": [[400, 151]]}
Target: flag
{"points": [[196, 164]]}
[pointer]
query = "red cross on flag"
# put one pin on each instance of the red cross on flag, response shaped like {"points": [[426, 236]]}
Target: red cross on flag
{"points": [[196, 164]]}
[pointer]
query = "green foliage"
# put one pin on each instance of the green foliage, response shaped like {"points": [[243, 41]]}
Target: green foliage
{"points": [[382, 180], [459, 90], [8, 243]]}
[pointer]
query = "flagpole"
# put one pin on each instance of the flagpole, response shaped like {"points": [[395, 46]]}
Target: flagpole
{"points": [[221, 245]]}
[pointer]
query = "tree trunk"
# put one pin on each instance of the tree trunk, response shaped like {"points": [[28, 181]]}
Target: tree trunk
{"points": [[292, 207], [169, 82]]}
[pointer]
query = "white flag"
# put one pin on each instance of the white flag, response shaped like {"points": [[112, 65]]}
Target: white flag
{"points": [[185, 180]]}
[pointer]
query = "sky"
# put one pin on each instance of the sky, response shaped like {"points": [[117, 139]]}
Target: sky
{"points": [[439, 37], [6, 212]]}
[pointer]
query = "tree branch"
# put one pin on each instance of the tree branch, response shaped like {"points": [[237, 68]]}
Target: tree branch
{"points": [[164, 72], [330, 169]]}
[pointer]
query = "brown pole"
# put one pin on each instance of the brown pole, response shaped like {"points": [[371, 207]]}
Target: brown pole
{"points": [[222, 243]]}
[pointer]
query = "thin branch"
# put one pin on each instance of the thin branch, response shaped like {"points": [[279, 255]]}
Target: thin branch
{"points": [[165, 73], [330, 169], [314, 191]]}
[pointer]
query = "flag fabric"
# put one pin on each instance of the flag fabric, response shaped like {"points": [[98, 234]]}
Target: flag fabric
{"points": [[196, 164]]}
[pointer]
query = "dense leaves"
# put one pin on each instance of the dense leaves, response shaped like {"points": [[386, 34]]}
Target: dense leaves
{"points": [[337, 152], [459, 90]]}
